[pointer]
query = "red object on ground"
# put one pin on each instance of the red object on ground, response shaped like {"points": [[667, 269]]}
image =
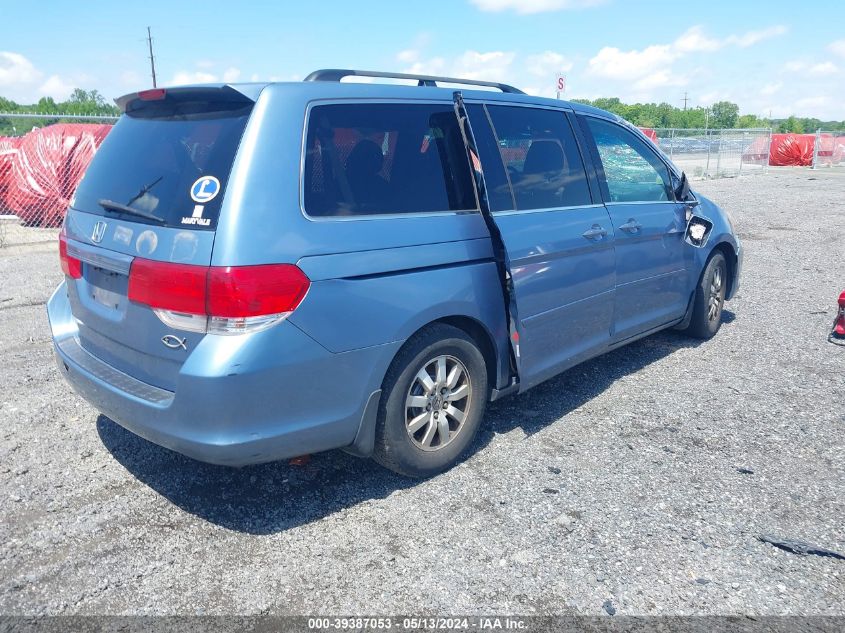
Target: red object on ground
{"points": [[650, 133], [758, 152], [831, 149], [794, 150], [46, 169], [8, 151], [839, 322], [302, 460]]}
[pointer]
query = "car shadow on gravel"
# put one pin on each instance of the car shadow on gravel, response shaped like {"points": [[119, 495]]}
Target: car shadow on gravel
{"points": [[269, 498]]}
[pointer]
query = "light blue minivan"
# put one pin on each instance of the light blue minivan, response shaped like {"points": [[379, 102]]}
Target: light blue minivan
{"points": [[258, 271]]}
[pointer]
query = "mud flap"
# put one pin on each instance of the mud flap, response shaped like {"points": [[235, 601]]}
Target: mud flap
{"points": [[500, 253]]}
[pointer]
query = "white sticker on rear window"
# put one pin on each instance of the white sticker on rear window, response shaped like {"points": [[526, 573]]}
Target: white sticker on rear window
{"points": [[205, 189], [196, 217], [146, 243], [123, 234]]}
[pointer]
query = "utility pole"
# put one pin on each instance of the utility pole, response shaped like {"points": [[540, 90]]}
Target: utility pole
{"points": [[152, 57], [685, 101]]}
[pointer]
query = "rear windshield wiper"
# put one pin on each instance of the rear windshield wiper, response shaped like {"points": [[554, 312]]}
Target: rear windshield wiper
{"points": [[110, 205]]}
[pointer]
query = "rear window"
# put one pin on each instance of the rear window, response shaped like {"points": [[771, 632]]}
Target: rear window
{"points": [[167, 159], [369, 159]]}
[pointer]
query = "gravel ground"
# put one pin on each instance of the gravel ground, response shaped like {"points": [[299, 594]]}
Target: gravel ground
{"points": [[637, 482]]}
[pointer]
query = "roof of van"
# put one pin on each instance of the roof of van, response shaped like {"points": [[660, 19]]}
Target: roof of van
{"points": [[359, 90]]}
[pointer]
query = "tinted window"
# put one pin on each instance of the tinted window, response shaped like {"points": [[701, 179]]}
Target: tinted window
{"points": [[539, 151], [632, 171], [498, 190], [155, 154], [364, 159]]}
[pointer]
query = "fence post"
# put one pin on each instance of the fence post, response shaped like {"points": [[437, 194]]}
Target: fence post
{"points": [[671, 142], [768, 153], [816, 143], [719, 155], [707, 135], [741, 152]]}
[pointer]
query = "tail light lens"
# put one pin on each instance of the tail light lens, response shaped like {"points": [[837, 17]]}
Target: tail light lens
{"points": [[71, 266], [218, 299]]}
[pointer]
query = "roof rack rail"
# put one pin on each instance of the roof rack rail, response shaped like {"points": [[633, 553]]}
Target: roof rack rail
{"points": [[336, 74]]}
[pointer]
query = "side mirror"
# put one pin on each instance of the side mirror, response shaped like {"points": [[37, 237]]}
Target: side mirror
{"points": [[682, 188]]}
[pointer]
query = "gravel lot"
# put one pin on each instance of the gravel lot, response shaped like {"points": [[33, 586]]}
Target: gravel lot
{"points": [[637, 482]]}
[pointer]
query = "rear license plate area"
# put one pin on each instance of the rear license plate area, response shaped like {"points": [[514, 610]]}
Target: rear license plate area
{"points": [[107, 287]]}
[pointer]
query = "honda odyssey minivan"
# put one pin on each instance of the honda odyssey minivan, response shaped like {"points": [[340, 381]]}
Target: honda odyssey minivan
{"points": [[258, 271]]}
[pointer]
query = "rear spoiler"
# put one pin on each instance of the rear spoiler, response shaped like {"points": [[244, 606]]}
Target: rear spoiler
{"points": [[245, 93]]}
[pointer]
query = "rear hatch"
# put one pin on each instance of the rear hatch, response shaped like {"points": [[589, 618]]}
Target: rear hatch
{"points": [[152, 195]]}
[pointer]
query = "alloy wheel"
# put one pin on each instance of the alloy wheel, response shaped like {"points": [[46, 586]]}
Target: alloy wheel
{"points": [[438, 402]]}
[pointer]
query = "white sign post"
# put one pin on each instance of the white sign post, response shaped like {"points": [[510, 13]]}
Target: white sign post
{"points": [[560, 84]]}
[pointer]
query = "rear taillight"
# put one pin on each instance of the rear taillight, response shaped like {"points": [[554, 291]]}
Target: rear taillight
{"points": [[71, 266], [218, 299]]}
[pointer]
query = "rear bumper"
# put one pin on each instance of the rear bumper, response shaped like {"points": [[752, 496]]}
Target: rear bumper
{"points": [[239, 399]]}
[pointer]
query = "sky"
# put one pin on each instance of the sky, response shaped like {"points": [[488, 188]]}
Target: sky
{"points": [[756, 54]]}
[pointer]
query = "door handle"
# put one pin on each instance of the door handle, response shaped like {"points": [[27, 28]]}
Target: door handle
{"points": [[595, 232], [631, 226]]}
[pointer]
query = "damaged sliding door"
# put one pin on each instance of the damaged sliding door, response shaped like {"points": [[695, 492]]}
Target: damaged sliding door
{"points": [[490, 199], [554, 240]]}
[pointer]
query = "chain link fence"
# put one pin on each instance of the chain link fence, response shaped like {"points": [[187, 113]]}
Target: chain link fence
{"points": [[42, 159], [724, 153], [829, 149]]}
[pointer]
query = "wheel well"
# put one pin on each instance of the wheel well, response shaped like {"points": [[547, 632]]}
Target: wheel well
{"points": [[730, 258], [482, 338]]}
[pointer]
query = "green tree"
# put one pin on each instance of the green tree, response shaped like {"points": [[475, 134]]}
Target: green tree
{"points": [[723, 114], [750, 121], [791, 124]]}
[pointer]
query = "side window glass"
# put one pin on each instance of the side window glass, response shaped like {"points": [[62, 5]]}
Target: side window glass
{"points": [[366, 159], [632, 171], [498, 188], [541, 156]]}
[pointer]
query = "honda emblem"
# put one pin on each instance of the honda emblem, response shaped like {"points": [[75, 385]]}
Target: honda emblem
{"points": [[98, 232]]}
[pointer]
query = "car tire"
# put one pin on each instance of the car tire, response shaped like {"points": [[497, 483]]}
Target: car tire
{"points": [[709, 298], [435, 396]]}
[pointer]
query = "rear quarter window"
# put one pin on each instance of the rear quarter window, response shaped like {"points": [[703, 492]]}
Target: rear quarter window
{"points": [[371, 159]]}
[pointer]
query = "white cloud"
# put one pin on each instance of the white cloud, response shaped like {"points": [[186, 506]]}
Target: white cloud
{"points": [[811, 103], [131, 79], [489, 66], [660, 79], [17, 69], [753, 37], [547, 63], [824, 68], [208, 75], [533, 6], [613, 63], [21, 81], [193, 77], [694, 40], [837, 47], [56, 87], [795, 66], [408, 56], [231, 75], [771, 88], [645, 69]]}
